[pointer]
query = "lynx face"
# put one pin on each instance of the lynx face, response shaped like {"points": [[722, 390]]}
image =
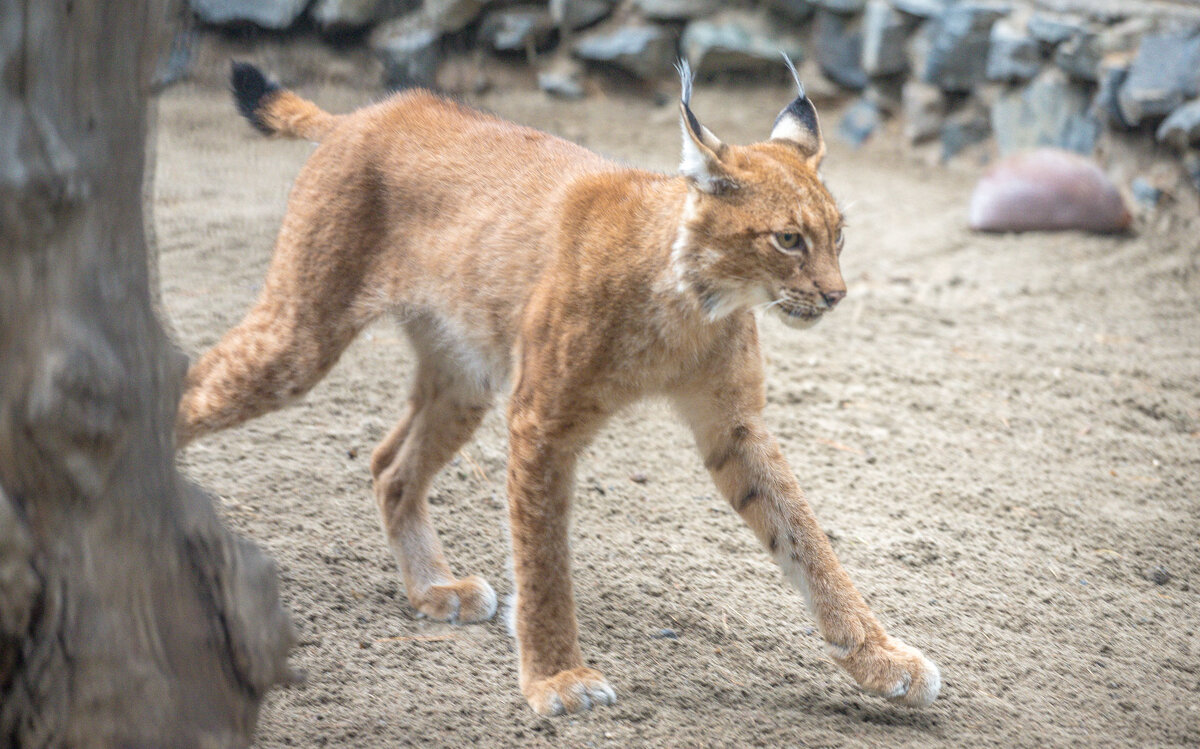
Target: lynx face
{"points": [[759, 229]]}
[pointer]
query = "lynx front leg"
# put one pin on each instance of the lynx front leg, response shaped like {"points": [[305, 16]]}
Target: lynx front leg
{"points": [[750, 471], [540, 476]]}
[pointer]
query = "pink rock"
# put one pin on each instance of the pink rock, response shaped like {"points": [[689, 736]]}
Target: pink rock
{"points": [[1047, 189]]}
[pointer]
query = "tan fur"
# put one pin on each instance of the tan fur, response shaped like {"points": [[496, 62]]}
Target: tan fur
{"points": [[515, 259]]}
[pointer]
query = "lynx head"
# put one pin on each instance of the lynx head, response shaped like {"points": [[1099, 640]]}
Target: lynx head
{"points": [[759, 228]]}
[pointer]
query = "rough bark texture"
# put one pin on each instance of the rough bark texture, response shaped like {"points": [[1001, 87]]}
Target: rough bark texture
{"points": [[128, 614]]}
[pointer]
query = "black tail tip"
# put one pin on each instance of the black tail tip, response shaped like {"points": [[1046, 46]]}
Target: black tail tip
{"points": [[250, 87]]}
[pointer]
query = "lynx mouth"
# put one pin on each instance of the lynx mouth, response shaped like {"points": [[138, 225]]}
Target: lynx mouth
{"points": [[797, 315]]}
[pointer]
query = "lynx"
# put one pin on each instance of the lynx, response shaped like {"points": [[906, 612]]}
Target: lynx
{"points": [[518, 261]]}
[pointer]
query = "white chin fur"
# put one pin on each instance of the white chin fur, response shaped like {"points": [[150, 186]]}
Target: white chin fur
{"points": [[800, 323]]}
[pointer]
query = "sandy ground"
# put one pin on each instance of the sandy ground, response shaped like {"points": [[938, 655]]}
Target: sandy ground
{"points": [[1000, 433]]}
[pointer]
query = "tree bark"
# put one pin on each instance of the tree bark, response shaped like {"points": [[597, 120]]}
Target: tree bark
{"points": [[128, 615]]}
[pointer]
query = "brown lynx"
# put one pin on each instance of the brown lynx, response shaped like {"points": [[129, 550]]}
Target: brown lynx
{"points": [[516, 260]]}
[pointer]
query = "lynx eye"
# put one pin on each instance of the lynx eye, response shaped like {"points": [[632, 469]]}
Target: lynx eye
{"points": [[788, 241], [841, 238]]}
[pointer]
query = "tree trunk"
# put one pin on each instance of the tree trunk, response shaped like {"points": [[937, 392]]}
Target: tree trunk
{"points": [[128, 615]]}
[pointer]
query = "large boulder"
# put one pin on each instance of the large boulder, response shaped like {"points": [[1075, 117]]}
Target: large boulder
{"points": [[1182, 127], [517, 28], [738, 41], [837, 41], [885, 31], [452, 15], [1165, 72], [924, 108], [1012, 55], [339, 15], [646, 51], [269, 14], [845, 7], [796, 11], [1051, 111], [1106, 105], [923, 9], [677, 10], [1052, 30], [859, 121], [1079, 56], [964, 128], [576, 14], [1047, 190], [958, 52], [410, 48]]}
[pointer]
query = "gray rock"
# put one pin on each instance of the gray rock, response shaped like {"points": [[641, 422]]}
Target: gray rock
{"points": [[845, 7], [516, 29], [920, 42], [1145, 193], [957, 58], [793, 10], [838, 49], [1165, 72], [269, 14], [561, 85], [336, 15], [1159, 575], [176, 61], [964, 128], [1106, 105], [1079, 56], [737, 41], [924, 108], [452, 15], [645, 51], [1053, 30], [1051, 111], [1191, 166], [885, 31], [576, 14], [677, 10], [1182, 127], [1123, 39], [859, 121], [921, 8], [886, 93], [410, 48], [1012, 55]]}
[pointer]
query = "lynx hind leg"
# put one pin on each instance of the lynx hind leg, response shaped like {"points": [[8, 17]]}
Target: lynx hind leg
{"points": [[274, 356], [443, 413]]}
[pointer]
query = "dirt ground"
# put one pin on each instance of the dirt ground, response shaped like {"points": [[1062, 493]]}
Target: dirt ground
{"points": [[1000, 433]]}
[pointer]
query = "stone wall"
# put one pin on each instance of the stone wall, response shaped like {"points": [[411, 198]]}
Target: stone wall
{"points": [[962, 75]]}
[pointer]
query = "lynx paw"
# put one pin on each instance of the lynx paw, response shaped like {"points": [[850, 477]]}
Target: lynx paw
{"points": [[461, 602], [569, 692], [891, 670]]}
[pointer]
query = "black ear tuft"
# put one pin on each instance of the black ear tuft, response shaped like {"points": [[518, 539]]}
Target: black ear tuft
{"points": [[801, 108], [250, 87], [686, 77], [791, 66], [798, 123]]}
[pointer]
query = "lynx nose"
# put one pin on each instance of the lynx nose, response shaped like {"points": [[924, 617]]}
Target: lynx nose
{"points": [[833, 297]]}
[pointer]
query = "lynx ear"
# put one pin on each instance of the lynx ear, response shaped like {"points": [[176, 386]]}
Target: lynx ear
{"points": [[797, 123], [702, 150]]}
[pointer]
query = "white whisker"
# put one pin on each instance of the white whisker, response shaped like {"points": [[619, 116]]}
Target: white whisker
{"points": [[765, 305]]}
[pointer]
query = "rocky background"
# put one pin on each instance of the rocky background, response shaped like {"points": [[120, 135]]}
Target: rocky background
{"points": [[962, 79]]}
